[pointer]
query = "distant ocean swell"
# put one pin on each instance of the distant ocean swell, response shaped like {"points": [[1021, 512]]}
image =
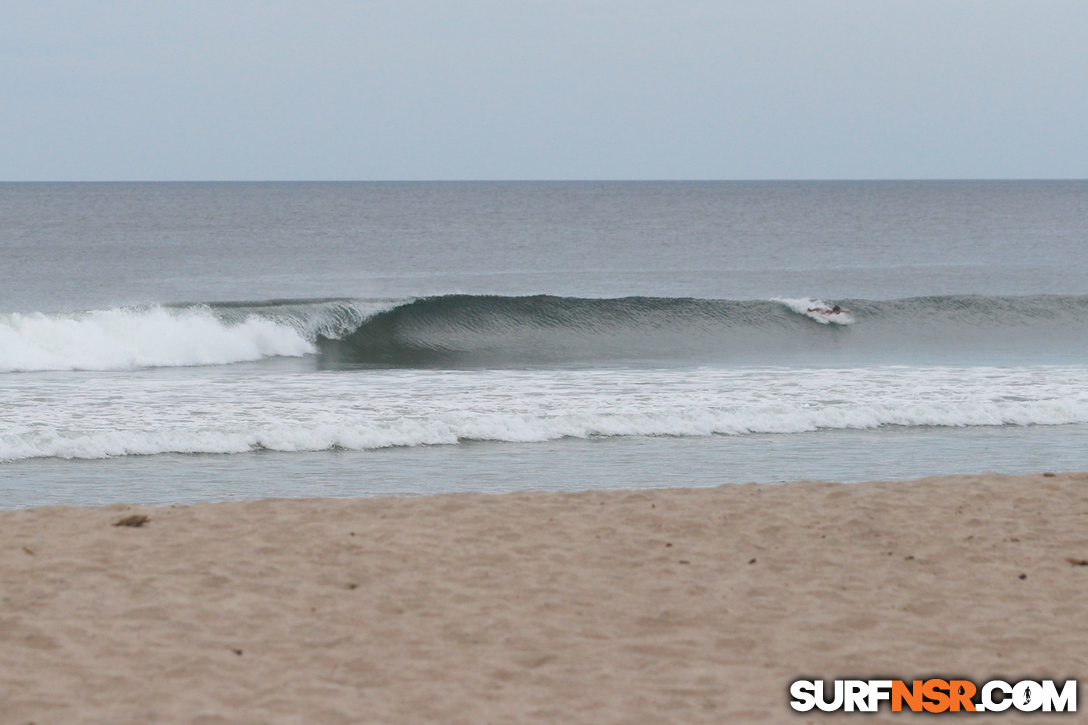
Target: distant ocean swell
{"points": [[455, 330]]}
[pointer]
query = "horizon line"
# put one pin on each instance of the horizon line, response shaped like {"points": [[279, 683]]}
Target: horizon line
{"points": [[548, 181]]}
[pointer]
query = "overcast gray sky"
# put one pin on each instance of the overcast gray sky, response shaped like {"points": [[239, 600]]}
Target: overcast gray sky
{"points": [[543, 89]]}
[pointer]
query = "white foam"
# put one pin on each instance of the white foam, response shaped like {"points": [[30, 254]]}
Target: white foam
{"points": [[124, 339], [813, 308], [215, 410], [366, 435]]}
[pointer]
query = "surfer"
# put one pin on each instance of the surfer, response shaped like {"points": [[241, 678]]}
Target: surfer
{"points": [[836, 310]]}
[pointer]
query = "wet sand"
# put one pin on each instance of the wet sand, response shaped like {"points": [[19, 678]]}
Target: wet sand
{"points": [[659, 606]]}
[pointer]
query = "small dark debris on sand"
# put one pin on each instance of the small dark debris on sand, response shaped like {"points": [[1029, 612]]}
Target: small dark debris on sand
{"points": [[1077, 562], [136, 521]]}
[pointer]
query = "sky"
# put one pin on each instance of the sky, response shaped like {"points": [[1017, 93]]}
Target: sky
{"points": [[125, 90]]}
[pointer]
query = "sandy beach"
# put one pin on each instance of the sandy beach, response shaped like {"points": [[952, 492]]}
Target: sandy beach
{"points": [[660, 606]]}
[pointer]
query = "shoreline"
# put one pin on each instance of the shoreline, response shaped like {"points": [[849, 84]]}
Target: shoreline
{"points": [[648, 605]]}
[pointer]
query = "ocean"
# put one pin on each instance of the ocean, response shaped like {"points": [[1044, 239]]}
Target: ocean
{"points": [[181, 342]]}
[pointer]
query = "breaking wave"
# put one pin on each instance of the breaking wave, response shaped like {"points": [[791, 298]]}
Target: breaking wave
{"points": [[485, 330], [480, 330]]}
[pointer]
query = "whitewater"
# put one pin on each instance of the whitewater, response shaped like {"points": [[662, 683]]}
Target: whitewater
{"points": [[237, 411]]}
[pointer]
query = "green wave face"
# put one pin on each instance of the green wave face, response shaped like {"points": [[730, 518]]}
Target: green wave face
{"points": [[468, 330]]}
